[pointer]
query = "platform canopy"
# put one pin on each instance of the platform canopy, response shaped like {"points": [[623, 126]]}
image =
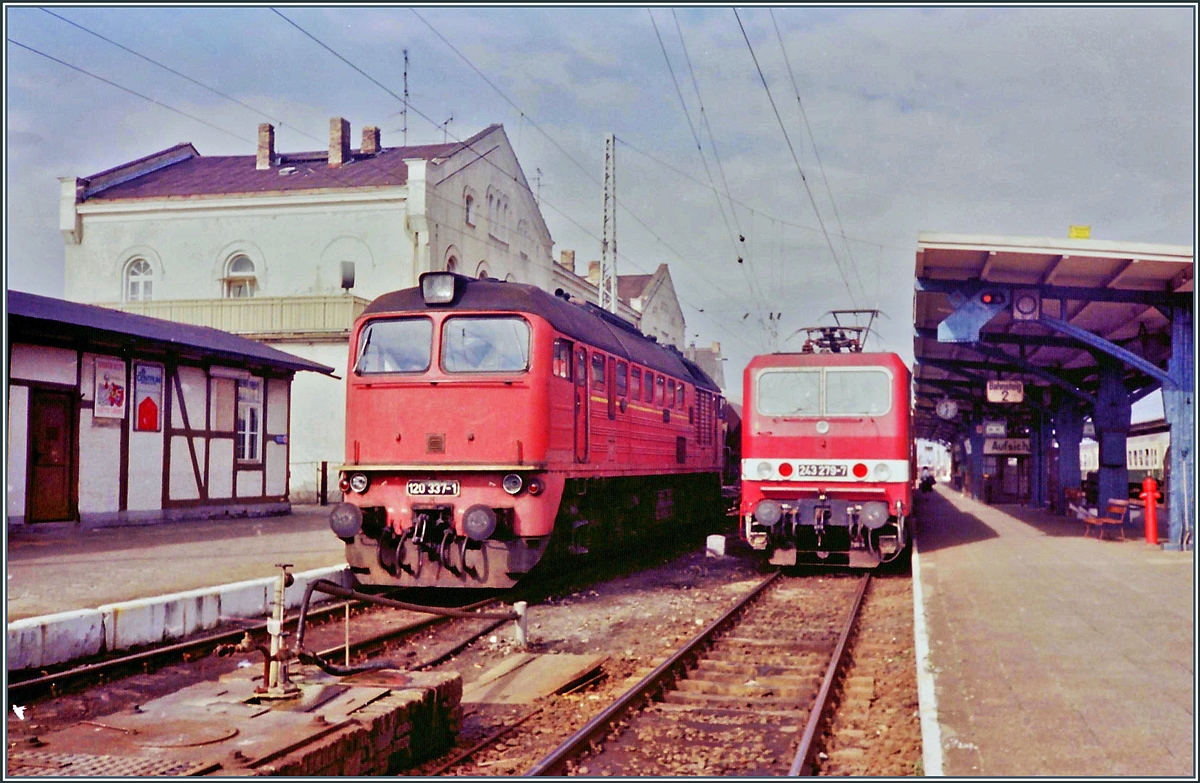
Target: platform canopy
{"points": [[1042, 311]]}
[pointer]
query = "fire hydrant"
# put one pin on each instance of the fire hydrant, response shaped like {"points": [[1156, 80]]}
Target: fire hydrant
{"points": [[1149, 496]]}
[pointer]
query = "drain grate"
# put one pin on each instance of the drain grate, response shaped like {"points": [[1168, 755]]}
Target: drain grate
{"points": [[42, 763]]}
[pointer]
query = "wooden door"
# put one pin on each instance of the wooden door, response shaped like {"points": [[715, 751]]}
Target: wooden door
{"points": [[51, 447]]}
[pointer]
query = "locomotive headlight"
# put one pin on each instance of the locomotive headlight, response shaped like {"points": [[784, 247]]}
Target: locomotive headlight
{"points": [[512, 483], [479, 522], [768, 512], [874, 514], [882, 471], [764, 470], [359, 482], [345, 520], [437, 287]]}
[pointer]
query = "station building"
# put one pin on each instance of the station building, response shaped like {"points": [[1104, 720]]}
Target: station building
{"points": [[117, 419], [289, 248]]}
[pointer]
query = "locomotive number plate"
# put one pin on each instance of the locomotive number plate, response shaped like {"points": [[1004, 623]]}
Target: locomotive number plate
{"points": [[809, 470], [425, 488]]}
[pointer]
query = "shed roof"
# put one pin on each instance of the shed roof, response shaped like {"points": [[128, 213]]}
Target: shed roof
{"points": [[1115, 290], [31, 314]]}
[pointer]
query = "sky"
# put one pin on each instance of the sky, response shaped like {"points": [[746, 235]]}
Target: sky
{"points": [[814, 144]]}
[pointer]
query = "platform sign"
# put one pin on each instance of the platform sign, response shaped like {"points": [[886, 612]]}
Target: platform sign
{"points": [[995, 428], [1006, 446], [1005, 391]]}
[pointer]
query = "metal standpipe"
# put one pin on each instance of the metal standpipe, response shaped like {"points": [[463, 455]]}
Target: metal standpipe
{"points": [[279, 685], [522, 626]]}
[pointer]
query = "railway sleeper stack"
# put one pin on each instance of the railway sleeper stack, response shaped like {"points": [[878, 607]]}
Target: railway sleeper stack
{"points": [[742, 707], [372, 723]]}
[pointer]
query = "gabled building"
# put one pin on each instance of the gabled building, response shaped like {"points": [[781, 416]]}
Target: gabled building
{"points": [[653, 297], [288, 248]]}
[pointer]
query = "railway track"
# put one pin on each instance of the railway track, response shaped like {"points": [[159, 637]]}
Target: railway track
{"points": [[746, 696], [388, 625]]}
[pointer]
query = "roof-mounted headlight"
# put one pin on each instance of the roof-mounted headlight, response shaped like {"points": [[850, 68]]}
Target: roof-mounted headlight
{"points": [[437, 287]]}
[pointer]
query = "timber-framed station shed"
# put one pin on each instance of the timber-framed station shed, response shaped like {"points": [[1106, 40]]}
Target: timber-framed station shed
{"points": [[1019, 340]]}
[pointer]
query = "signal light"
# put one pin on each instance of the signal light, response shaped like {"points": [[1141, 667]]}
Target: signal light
{"points": [[785, 469], [993, 297]]}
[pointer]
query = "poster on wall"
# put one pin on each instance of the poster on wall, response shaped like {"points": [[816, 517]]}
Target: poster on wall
{"points": [[110, 389], [147, 397]]}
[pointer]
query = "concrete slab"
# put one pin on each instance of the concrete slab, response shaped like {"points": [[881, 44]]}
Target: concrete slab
{"points": [[43, 641], [525, 677]]}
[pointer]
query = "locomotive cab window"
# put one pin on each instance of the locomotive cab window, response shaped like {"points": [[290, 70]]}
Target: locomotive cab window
{"points": [[789, 393], [857, 392], [485, 344], [562, 359], [635, 383], [598, 371], [394, 345]]}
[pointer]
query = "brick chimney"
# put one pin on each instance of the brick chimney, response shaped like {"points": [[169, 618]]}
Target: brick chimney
{"points": [[339, 142], [716, 347], [594, 272], [568, 261], [370, 143], [266, 146]]}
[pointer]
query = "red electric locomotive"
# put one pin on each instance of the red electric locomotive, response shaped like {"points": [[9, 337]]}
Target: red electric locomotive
{"points": [[485, 419], [826, 453]]}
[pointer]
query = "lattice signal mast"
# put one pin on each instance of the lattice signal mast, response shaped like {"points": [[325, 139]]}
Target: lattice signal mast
{"points": [[838, 338], [608, 244]]}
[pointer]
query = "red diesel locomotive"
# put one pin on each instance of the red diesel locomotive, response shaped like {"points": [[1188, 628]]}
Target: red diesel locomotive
{"points": [[826, 454], [485, 419]]}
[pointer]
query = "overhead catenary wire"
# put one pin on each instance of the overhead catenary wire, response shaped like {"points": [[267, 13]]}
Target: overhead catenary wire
{"points": [[817, 154], [738, 251], [800, 169]]}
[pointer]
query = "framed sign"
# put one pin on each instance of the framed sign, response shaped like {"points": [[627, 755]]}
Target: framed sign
{"points": [[995, 429], [1005, 391], [147, 397], [110, 389], [1006, 446]]}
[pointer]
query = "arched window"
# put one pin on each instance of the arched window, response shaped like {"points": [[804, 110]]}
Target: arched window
{"points": [[470, 210], [240, 278], [139, 281], [481, 271], [452, 264]]}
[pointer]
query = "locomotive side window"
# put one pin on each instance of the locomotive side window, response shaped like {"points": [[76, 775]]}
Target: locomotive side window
{"points": [[679, 396], [562, 359], [485, 344], [659, 382], [622, 378], [789, 393], [598, 371], [635, 383], [581, 367], [395, 345], [649, 387], [671, 393], [866, 392]]}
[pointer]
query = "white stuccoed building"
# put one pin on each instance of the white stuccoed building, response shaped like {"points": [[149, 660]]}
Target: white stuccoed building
{"points": [[289, 248]]}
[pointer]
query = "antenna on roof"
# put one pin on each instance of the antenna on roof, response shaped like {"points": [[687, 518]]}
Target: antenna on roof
{"points": [[444, 124], [405, 98]]}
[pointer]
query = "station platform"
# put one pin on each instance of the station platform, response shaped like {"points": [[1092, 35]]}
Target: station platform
{"points": [[1050, 654], [60, 567]]}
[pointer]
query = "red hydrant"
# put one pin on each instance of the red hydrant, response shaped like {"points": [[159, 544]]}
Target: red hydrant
{"points": [[1149, 495]]}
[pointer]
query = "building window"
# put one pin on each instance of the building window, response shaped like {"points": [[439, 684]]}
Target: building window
{"points": [[452, 264], [481, 271], [248, 442], [139, 281], [470, 216], [240, 278]]}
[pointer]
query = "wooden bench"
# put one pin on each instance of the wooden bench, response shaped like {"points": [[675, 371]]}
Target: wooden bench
{"points": [[1114, 514]]}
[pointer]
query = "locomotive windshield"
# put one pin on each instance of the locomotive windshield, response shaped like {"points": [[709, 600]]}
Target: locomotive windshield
{"points": [[857, 392], [843, 392], [485, 344], [397, 345], [790, 393]]}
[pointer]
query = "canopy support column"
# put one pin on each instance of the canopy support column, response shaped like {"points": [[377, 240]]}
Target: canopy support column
{"points": [[1111, 418], [1180, 413], [1068, 430]]}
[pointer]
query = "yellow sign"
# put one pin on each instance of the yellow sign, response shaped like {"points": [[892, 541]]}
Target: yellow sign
{"points": [[1080, 232]]}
